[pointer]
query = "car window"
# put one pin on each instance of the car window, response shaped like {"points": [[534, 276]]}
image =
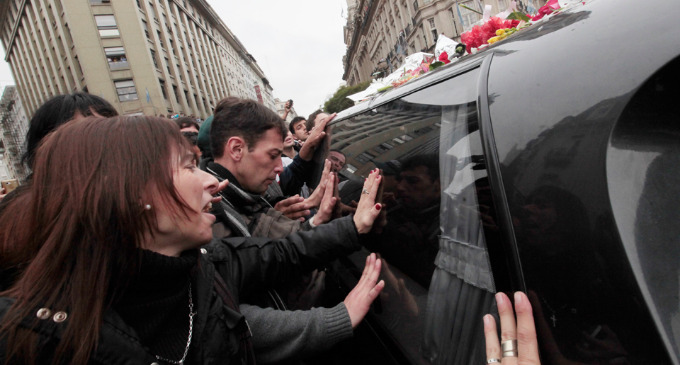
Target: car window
{"points": [[643, 174], [438, 215]]}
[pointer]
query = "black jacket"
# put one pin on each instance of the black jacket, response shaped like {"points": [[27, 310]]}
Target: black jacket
{"points": [[246, 264]]}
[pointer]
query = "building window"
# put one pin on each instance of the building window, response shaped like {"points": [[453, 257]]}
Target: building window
{"points": [[165, 93], [126, 90], [146, 29], [116, 58], [433, 30], [174, 89], [152, 12], [160, 39], [153, 57], [469, 17], [106, 24]]}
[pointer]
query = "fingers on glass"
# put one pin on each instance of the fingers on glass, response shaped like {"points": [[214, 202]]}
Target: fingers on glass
{"points": [[493, 346], [507, 316], [526, 330]]}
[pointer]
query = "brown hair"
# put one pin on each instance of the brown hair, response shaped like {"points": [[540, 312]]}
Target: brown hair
{"points": [[74, 232], [245, 118], [187, 122], [311, 120]]}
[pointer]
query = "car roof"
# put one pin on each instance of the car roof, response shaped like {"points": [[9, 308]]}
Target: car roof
{"points": [[646, 27]]}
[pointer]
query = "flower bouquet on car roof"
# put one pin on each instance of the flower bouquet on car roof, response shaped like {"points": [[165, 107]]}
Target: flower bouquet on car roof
{"points": [[491, 31], [499, 27]]}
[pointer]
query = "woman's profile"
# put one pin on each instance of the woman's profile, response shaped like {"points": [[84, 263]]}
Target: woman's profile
{"points": [[109, 243]]}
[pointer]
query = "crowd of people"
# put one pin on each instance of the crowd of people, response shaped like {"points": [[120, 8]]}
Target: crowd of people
{"points": [[162, 240]]}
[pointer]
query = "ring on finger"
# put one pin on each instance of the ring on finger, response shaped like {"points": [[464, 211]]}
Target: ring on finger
{"points": [[512, 353], [364, 191], [509, 345], [491, 361]]}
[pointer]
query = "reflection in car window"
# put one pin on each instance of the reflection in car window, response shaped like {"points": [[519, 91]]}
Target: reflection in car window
{"points": [[432, 235]]}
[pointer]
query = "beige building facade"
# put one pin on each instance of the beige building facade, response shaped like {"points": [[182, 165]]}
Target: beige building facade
{"points": [[152, 57], [13, 126], [393, 29]]}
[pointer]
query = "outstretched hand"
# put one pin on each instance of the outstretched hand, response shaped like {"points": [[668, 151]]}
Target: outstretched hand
{"points": [[359, 300], [295, 207], [328, 201], [314, 199], [522, 331], [367, 209], [316, 135]]}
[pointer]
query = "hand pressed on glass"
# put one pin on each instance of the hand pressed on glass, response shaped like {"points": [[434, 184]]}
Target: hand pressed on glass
{"points": [[367, 209], [518, 344], [359, 300]]}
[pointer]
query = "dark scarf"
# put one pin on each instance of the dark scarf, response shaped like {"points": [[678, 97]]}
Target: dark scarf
{"points": [[156, 304], [234, 194]]}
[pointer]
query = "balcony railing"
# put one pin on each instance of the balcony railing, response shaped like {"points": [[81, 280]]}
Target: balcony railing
{"points": [[119, 65]]}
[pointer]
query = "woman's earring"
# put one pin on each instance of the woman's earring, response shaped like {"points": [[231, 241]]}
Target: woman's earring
{"points": [[147, 207]]}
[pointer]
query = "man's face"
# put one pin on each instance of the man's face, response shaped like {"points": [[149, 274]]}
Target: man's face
{"points": [[190, 128], [289, 141], [261, 163], [337, 161], [416, 190], [300, 129]]}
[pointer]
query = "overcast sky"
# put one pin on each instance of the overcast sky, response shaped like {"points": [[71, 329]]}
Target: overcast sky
{"points": [[298, 44]]}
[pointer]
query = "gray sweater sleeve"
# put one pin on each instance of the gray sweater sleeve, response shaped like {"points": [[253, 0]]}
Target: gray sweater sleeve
{"points": [[280, 335]]}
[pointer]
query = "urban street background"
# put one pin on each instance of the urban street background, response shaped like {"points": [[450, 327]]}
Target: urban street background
{"points": [[298, 44]]}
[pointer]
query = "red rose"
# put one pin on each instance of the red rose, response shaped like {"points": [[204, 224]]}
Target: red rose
{"points": [[444, 57]]}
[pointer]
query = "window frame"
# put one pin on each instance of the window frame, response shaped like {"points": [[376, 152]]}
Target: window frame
{"points": [[126, 92]]}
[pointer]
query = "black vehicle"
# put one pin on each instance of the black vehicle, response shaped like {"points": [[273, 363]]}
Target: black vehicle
{"points": [[548, 163]]}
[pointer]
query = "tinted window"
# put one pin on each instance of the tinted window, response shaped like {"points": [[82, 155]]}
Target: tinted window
{"points": [[643, 170], [587, 239], [438, 219]]}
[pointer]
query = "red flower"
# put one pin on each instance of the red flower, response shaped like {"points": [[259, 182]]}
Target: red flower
{"points": [[479, 35], [546, 9], [444, 57]]}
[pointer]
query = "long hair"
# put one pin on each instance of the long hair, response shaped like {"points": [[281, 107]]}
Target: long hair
{"points": [[74, 232]]}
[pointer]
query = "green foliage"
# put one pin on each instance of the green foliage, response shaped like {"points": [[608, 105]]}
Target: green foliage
{"points": [[437, 64], [518, 16], [339, 101]]}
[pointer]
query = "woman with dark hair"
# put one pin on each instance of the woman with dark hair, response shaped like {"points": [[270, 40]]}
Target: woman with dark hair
{"points": [[55, 112], [59, 110], [106, 237]]}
